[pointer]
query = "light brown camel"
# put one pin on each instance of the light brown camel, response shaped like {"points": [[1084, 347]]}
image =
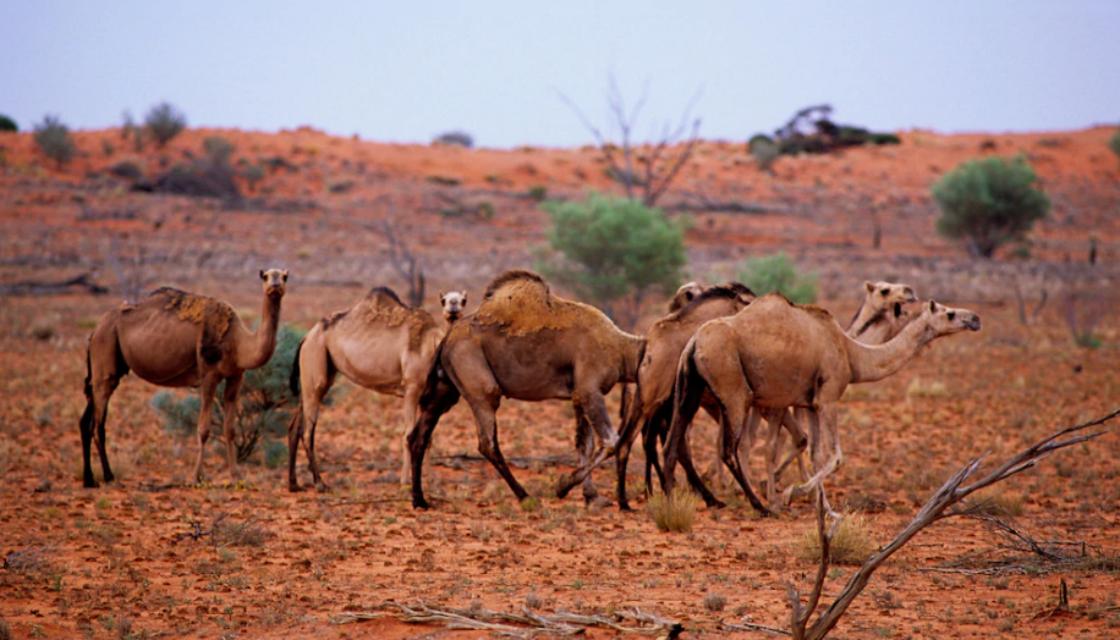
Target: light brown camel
{"points": [[685, 294], [880, 317], [380, 344], [773, 355], [526, 343], [177, 339]]}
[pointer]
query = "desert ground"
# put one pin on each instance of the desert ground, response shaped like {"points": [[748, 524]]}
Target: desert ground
{"points": [[153, 555]]}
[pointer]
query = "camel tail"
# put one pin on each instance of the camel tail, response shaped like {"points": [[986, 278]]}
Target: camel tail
{"points": [[687, 390], [435, 375], [293, 380]]}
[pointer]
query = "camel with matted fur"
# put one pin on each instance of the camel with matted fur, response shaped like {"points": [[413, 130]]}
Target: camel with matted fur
{"points": [[173, 338], [526, 343], [379, 343]]}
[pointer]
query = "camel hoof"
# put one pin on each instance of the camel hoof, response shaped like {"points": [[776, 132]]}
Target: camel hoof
{"points": [[420, 503], [624, 505], [294, 487], [322, 487], [716, 503], [90, 483], [563, 488]]}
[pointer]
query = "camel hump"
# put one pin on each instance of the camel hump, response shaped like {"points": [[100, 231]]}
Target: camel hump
{"points": [[516, 276], [385, 295], [215, 316], [728, 291], [816, 312]]}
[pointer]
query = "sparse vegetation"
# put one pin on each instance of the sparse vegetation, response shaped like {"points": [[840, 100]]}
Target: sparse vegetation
{"points": [[714, 602], [777, 273], [53, 139], [765, 151], [989, 202], [674, 512], [127, 169], [615, 252], [1114, 143], [851, 543], [164, 122], [218, 150], [7, 124], [253, 174], [265, 401], [455, 138]]}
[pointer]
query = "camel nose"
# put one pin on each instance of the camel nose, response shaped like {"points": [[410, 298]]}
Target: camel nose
{"points": [[973, 323]]}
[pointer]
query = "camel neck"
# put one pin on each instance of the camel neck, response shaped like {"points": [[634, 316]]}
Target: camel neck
{"points": [[875, 362], [258, 347], [863, 320]]}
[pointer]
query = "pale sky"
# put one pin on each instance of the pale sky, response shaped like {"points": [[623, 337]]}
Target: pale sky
{"points": [[407, 71]]}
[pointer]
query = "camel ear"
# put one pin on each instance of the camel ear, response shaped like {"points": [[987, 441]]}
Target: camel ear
{"points": [[262, 274], [464, 292], [932, 306], [284, 275], [870, 286], [442, 295]]}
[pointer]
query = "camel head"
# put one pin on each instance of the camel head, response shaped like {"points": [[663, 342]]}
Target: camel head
{"points": [[453, 303], [275, 282], [889, 296], [686, 293], [948, 320]]}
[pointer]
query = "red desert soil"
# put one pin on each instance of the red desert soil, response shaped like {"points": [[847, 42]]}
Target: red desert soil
{"points": [[121, 559]]}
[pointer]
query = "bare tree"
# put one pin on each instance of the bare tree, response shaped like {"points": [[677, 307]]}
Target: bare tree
{"points": [[128, 266], [936, 508], [644, 171], [402, 259]]}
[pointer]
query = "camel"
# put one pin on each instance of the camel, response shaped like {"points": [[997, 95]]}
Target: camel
{"points": [[881, 316], [526, 343], [685, 294], [379, 343], [773, 355], [667, 338], [173, 338]]}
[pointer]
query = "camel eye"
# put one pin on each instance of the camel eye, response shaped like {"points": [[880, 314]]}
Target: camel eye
{"points": [[952, 314], [885, 292]]}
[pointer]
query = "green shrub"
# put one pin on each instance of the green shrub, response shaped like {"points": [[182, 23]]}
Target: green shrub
{"points": [[1114, 143], [164, 122], [614, 249], [127, 169], [265, 402], [7, 124], [989, 202], [253, 174], [765, 151], [777, 272], [53, 139], [538, 192]]}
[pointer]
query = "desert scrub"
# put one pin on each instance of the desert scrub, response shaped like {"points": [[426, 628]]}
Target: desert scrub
{"points": [[53, 139], [455, 139], [714, 602], [673, 512], [777, 273], [989, 202], [1000, 504], [164, 122], [919, 388], [850, 545], [7, 124]]}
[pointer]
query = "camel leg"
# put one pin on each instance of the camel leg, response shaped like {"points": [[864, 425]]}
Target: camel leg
{"points": [[411, 410], [655, 429], [484, 416], [715, 471], [594, 410], [312, 461], [229, 424], [732, 425], [688, 391], [826, 466], [206, 389], [637, 414], [585, 444], [295, 435], [93, 428], [434, 402]]}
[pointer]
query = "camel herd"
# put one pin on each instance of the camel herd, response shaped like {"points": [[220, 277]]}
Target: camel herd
{"points": [[740, 357]]}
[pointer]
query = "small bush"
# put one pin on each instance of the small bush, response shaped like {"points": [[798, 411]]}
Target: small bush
{"points": [[231, 533], [674, 512], [777, 273], [164, 122], [218, 150], [851, 543], [1114, 143], [265, 401], [275, 454], [989, 202], [253, 174], [127, 169], [714, 602], [455, 138], [7, 124], [538, 192], [198, 179], [43, 332], [53, 139]]}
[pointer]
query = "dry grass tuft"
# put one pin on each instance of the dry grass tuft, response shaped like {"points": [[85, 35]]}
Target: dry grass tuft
{"points": [[231, 533], [919, 388], [531, 504], [714, 602], [675, 512], [1001, 504], [850, 545]]}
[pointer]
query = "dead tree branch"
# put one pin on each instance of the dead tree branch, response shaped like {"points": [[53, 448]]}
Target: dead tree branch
{"points": [[952, 492], [402, 259], [43, 288], [524, 624], [649, 170]]}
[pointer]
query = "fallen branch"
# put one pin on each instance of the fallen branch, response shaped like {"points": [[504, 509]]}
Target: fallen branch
{"points": [[952, 492], [53, 287], [524, 624]]}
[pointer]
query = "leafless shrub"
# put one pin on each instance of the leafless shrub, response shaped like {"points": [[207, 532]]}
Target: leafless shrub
{"points": [[232, 533], [126, 260], [1083, 311], [401, 257], [645, 172], [804, 626], [714, 602]]}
